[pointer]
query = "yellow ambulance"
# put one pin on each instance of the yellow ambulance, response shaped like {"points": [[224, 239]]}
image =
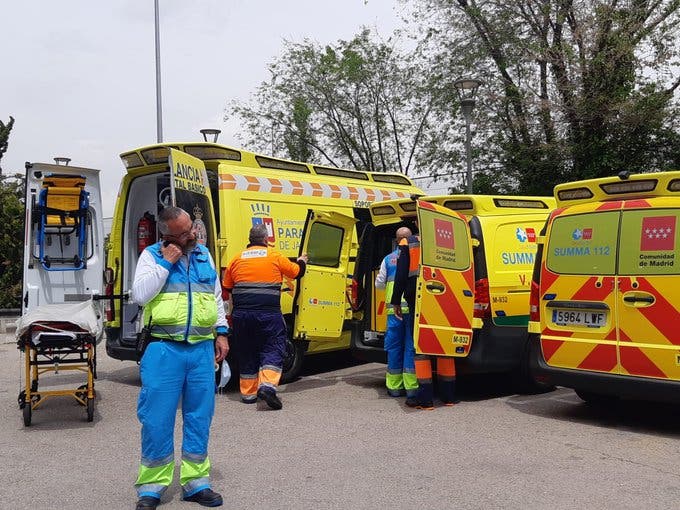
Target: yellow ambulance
{"points": [[477, 255], [605, 301], [227, 191]]}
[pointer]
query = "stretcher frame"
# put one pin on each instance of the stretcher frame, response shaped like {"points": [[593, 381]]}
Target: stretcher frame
{"points": [[61, 347]]}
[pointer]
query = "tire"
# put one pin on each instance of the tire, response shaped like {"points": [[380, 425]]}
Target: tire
{"points": [[523, 379], [292, 360], [27, 414], [90, 409]]}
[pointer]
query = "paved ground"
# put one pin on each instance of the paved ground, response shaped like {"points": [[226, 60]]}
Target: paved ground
{"points": [[341, 443]]}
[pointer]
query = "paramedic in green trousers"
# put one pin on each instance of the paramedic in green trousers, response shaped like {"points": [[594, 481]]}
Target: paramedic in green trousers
{"points": [[176, 282]]}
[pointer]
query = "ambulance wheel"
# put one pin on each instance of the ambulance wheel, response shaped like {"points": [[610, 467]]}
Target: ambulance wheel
{"points": [[90, 409], [27, 414], [523, 380], [292, 361]]}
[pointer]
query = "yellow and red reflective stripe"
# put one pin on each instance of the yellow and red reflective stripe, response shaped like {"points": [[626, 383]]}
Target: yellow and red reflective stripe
{"points": [[316, 189]]}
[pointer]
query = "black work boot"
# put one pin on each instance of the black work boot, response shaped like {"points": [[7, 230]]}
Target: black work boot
{"points": [[147, 503], [206, 497], [270, 398]]}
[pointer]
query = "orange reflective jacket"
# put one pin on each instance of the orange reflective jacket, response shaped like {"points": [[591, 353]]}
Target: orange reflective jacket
{"points": [[254, 278]]}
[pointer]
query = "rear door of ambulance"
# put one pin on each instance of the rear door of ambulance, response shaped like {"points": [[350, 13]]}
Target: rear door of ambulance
{"points": [[578, 302], [320, 305], [190, 190], [648, 295], [510, 247], [445, 292], [60, 282]]}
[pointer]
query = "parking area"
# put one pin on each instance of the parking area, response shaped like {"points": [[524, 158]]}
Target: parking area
{"points": [[341, 442]]}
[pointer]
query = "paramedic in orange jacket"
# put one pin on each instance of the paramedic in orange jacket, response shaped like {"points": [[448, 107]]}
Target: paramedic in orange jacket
{"points": [[254, 279], [405, 280]]}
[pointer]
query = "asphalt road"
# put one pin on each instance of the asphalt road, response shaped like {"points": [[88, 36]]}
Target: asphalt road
{"points": [[341, 443]]}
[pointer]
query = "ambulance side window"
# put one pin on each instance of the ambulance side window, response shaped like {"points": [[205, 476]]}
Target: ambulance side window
{"points": [[325, 245], [649, 241], [584, 244]]}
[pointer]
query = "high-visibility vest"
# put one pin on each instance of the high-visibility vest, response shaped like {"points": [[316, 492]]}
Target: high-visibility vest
{"points": [[254, 278], [414, 255], [185, 308], [391, 267]]}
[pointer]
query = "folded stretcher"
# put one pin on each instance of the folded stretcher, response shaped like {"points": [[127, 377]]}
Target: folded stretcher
{"points": [[59, 338], [61, 219]]}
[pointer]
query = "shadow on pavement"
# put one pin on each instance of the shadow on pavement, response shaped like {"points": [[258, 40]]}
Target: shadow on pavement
{"points": [[626, 415]]}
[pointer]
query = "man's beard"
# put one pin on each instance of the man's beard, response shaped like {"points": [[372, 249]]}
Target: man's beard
{"points": [[189, 246]]}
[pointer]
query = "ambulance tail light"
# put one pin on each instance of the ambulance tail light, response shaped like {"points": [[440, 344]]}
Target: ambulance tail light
{"points": [[353, 295], [109, 306], [482, 299], [534, 302]]}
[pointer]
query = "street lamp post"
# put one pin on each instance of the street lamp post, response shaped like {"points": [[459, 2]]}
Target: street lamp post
{"points": [[159, 108], [466, 88]]}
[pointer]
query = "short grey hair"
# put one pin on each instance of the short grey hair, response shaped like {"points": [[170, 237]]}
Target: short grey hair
{"points": [[169, 214], [258, 234]]}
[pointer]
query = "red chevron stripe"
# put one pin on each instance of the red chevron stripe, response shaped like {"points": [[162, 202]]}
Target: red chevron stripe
{"points": [[426, 205], [550, 347], [607, 206], [589, 292], [602, 358], [636, 204], [662, 314], [428, 343], [636, 362]]}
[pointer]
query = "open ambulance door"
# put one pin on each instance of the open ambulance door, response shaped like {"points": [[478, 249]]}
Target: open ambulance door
{"points": [[190, 190], [320, 306], [64, 236], [445, 290]]}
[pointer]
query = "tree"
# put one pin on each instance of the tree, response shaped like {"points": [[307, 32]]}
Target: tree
{"points": [[11, 229], [360, 104], [573, 88], [11, 240], [4, 137]]}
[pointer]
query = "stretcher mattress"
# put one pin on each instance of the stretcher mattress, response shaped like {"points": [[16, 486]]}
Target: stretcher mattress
{"points": [[84, 315]]}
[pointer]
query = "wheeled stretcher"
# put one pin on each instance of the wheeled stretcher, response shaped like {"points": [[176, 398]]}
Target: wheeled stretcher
{"points": [[59, 338]]}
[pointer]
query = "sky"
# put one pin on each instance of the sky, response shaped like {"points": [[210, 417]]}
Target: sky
{"points": [[79, 76]]}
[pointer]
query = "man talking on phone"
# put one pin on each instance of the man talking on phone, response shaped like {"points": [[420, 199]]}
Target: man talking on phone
{"points": [[177, 284]]}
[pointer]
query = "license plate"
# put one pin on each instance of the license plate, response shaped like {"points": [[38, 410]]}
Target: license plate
{"points": [[461, 339], [579, 318]]}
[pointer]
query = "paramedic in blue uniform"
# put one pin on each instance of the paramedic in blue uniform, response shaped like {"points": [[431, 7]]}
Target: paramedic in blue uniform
{"points": [[401, 375], [178, 286]]}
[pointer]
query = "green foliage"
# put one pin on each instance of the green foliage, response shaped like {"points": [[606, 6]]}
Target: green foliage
{"points": [[11, 240], [573, 89], [5, 129], [359, 104]]}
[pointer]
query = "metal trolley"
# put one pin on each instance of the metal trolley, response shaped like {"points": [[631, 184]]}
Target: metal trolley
{"points": [[53, 346]]}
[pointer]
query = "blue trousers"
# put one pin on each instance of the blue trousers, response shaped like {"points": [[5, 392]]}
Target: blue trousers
{"points": [[260, 343], [400, 355], [171, 371]]}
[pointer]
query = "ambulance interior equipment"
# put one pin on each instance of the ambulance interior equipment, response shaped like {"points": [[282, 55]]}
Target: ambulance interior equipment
{"points": [[61, 320], [62, 223]]}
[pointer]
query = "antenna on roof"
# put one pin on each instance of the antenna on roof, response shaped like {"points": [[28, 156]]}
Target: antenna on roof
{"points": [[62, 160], [207, 132]]}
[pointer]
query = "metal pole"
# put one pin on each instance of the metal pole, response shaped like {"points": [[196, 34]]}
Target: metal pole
{"points": [[159, 108], [468, 156]]}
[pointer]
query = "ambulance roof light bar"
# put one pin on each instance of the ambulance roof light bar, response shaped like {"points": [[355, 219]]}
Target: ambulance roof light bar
{"points": [[61, 159], [210, 132]]}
